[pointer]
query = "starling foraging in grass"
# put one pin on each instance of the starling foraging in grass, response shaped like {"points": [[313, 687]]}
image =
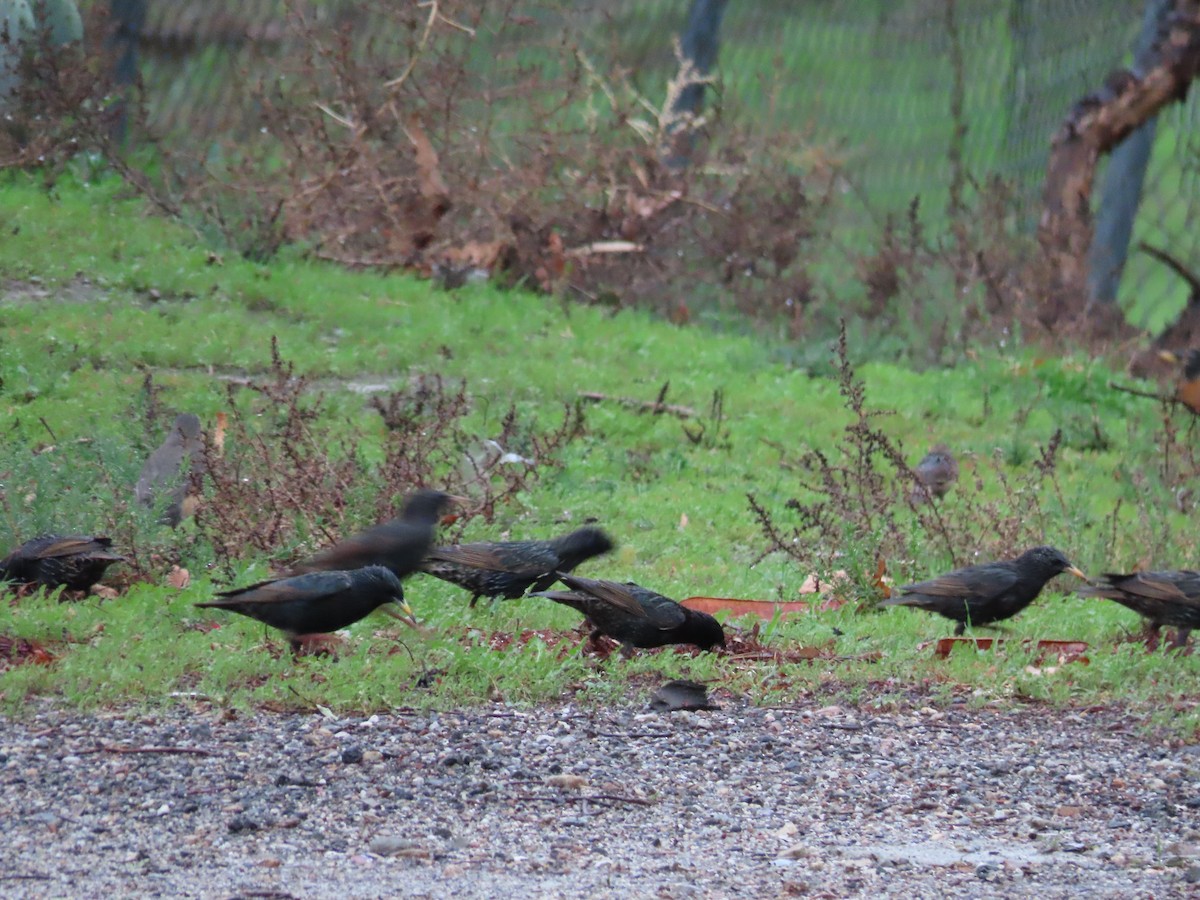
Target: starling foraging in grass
{"points": [[979, 595], [171, 466], [400, 544], [73, 561], [511, 568], [1162, 598], [636, 616], [317, 602], [936, 474]]}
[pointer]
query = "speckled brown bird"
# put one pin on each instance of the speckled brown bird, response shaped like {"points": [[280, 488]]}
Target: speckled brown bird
{"points": [[1169, 598], [936, 474], [510, 568], [167, 473], [316, 602], [636, 616], [72, 561], [992, 592], [400, 544]]}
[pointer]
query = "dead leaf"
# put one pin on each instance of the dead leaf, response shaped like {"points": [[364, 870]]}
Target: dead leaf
{"points": [[219, 433], [683, 521], [432, 185], [881, 581], [14, 651], [179, 577], [567, 782], [474, 254]]}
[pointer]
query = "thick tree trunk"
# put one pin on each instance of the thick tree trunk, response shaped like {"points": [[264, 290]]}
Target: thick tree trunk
{"points": [[1095, 126], [1121, 194]]}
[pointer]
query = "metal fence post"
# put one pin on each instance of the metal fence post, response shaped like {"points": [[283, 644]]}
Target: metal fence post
{"points": [[128, 17], [699, 46]]}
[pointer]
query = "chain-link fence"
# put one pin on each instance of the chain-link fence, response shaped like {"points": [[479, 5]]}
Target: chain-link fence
{"points": [[890, 92]]}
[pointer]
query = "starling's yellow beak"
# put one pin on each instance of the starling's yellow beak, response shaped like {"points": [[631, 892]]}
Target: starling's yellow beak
{"points": [[1168, 356], [399, 609], [1078, 574]]}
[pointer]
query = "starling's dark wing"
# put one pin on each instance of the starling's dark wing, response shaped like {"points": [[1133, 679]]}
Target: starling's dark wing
{"points": [[1152, 585], [1168, 587], [612, 593], [312, 586], [665, 613], [75, 546], [374, 546], [982, 582], [489, 557]]}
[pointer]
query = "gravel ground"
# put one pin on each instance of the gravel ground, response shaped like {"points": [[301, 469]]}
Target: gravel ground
{"points": [[573, 801]]}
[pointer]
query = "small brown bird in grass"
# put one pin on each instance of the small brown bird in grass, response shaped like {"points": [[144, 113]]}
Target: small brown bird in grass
{"points": [[1162, 598], [400, 544], [979, 595], [317, 602], [936, 474], [170, 467], [636, 616], [73, 561], [510, 568], [1187, 388]]}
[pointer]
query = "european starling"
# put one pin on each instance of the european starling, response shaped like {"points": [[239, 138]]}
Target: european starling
{"points": [[936, 474], [316, 602], [636, 616], [511, 568], [1162, 598], [400, 544], [73, 561], [171, 466], [982, 594]]}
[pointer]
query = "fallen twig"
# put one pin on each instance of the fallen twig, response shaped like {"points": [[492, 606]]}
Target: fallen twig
{"points": [[1163, 398], [110, 748], [598, 798], [652, 406]]}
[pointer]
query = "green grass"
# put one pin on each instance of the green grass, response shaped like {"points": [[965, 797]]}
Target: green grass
{"points": [[119, 293]]}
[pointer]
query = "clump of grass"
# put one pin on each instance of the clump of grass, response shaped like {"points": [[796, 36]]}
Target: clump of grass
{"points": [[283, 475], [860, 512]]}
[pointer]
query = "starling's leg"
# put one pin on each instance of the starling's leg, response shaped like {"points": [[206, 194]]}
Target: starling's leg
{"points": [[959, 629], [1180, 640], [474, 600], [1151, 635]]}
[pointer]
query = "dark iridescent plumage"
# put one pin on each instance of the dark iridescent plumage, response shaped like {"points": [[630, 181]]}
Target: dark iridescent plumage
{"points": [[1162, 598], [508, 569], [400, 544], [992, 592], [315, 602], [636, 616], [73, 561]]}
